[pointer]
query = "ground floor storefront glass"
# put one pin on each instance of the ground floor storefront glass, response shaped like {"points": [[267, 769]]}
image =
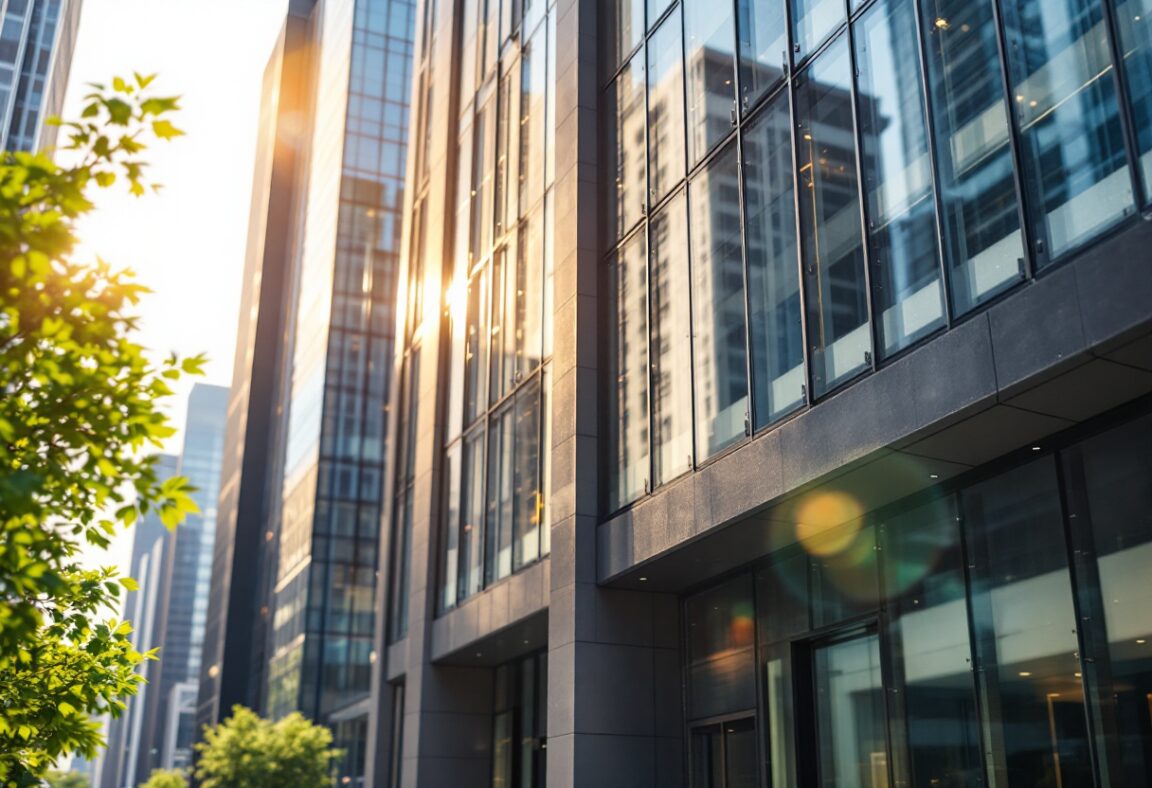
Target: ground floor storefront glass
{"points": [[997, 632]]}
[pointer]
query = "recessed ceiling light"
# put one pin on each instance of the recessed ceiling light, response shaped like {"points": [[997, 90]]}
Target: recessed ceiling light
{"points": [[1025, 674], [933, 476], [643, 580], [1035, 448]]}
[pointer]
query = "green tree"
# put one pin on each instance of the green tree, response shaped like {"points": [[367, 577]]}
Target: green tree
{"points": [[56, 779], [167, 778], [79, 411], [246, 751]]}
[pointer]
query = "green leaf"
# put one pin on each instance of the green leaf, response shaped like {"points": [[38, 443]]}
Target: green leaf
{"points": [[129, 584], [165, 130]]}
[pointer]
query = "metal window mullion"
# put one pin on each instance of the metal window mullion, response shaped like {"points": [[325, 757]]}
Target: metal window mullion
{"points": [[649, 481], [1027, 231], [865, 236]]}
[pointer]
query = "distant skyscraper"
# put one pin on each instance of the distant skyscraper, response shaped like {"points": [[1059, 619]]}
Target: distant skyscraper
{"points": [[149, 546], [183, 595], [36, 42], [310, 399]]}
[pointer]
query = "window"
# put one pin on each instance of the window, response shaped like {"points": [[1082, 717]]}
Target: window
{"points": [[1024, 622], [812, 22], [1064, 101], [527, 294], [1134, 20], [526, 491], [498, 517], [721, 629], [1114, 470], [476, 347], [472, 515], [719, 343], [983, 245], [773, 267], [923, 575], [665, 108], [533, 76], [519, 724], [898, 194], [671, 342], [709, 41], [830, 240], [450, 549], [628, 178], [763, 47], [626, 21], [627, 400]]}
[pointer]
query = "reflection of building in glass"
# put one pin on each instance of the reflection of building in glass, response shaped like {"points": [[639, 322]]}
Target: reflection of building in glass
{"points": [[36, 42], [335, 131], [845, 416]]}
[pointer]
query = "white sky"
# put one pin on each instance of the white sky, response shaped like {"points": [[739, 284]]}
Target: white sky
{"points": [[186, 243]]}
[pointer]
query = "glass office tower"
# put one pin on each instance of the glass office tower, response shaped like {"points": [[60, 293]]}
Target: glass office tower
{"points": [[833, 466], [36, 42]]}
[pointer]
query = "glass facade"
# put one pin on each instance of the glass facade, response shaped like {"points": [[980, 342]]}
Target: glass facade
{"points": [[331, 495], [992, 632], [32, 46], [819, 185], [499, 272], [520, 723]]}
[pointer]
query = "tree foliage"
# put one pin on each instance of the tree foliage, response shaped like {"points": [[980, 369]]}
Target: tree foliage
{"points": [[78, 413], [166, 778], [246, 751], [56, 779]]}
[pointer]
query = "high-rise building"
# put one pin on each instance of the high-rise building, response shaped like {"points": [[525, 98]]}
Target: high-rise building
{"points": [[167, 716], [308, 479], [36, 42], [774, 397], [234, 666], [150, 543]]}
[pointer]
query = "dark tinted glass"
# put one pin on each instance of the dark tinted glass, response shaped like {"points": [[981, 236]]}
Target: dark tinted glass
{"points": [[719, 343], [1116, 515], [1064, 97], [831, 243], [923, 573], [526, 479], [1025, 625], [721, 630], [773, 269], [850, 714], [983, 246], [898, 195]]}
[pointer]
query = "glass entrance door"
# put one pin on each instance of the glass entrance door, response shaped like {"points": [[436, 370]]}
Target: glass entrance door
{"points": [[852, 746]]}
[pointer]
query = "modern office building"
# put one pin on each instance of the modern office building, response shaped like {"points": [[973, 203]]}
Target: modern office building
{"points": [[234, 664], [316, 411], [36, 42], [117, 765], [773, 397]]}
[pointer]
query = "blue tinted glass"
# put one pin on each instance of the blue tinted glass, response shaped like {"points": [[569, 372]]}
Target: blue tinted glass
{"points": [[983, 246], [812, 22], [898, 196], [1134, 20], [655, 9], [773, 268], [709, 49], [763, 47], [720, 371], [830, 239], [1064, 98]]}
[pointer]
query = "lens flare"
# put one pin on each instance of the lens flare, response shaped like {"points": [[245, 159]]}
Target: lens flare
{"points": [[827, 522]]}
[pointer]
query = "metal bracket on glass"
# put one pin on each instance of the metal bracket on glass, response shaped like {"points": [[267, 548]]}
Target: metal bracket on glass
{"points": [[747, 423], [868, 358]]}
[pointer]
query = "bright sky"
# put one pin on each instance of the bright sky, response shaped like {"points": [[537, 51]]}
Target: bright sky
{"points": [[186, 243]]}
